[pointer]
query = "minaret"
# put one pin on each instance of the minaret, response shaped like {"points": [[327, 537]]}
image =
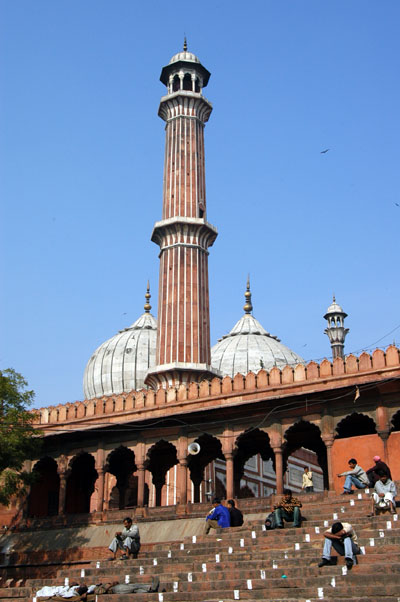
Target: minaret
{"points": [[336, 331], [183, 234]]}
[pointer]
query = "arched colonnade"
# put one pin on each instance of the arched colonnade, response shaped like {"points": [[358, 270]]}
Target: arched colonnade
{"points": [[128, 475]]}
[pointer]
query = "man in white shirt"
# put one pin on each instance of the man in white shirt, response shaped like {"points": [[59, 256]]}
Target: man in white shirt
{"points": [[383, 496], [127, 540], [344, 540]]}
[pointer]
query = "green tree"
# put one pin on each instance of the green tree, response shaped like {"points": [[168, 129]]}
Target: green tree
{"points": [[19, 441]]}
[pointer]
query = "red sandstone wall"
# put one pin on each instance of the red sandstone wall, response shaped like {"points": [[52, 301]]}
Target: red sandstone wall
{"points": [[394, 455], [363, 449]]}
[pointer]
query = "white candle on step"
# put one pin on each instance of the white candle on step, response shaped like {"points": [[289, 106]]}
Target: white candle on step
{"points": [[351, 502], [274, 564], [236, 594], [249, 584], [381, 533], [367, 491], [160, 597], [182, 546], [253, 534], [242, 546], [204, 567], [362, 548], [155, 561], [175, 586], [285, 555], [395, 517], [317, 529], [262, 574], [335, 516], [297, 546], [126, 578], [344, 570], [307, 537], [169, 554], [190, 576], [66, 581], [82, 572], [326, 523], [141, 570], [230, 550], [371, 542], [194, 539], [333, 582], [264, 528], [216, 557], [320, 592], [360, 496], [388, 524], [97, 565]]}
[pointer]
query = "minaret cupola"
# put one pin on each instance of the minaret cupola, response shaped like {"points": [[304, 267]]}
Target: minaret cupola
{"points": [[336, 331]]}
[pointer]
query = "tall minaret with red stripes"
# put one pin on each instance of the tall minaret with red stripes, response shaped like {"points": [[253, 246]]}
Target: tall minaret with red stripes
{"points": [[183, 234]]}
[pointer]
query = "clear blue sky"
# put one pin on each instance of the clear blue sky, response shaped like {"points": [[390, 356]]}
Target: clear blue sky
{"points": [[82, 159]]}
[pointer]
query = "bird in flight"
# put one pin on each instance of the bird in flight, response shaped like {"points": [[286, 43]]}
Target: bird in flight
{"points": [[397, 205], [325, 151]]}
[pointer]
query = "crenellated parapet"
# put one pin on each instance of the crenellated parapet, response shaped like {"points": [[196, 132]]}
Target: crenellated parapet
{"points": [[218, 392]]}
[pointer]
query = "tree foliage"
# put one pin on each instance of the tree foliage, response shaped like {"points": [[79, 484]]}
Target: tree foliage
{"points": [[19, 441]]}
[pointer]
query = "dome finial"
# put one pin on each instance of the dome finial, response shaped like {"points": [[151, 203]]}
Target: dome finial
{"points": [[334, 298], [248, 308], [184, 44], [147, 306]]}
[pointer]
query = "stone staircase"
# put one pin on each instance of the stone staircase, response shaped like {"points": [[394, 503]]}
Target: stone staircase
{"points": [[247, 563]]}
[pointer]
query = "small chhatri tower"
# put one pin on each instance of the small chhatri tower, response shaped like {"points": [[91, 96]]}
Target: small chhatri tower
{"points": [[184, 235], [336, 331]]}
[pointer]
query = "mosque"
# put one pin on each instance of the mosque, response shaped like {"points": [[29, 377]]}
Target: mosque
{"points": [[169, 420]]}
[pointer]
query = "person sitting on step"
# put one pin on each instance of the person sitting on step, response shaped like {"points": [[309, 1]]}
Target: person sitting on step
{"points": [[372, 473], [355, 476], [344, 540], [127, 540], [235, 514], [218, 517], [288, 509], [383, 496]]}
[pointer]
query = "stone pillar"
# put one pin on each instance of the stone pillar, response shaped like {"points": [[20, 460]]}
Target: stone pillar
{"points": [[383, 428], [278, 468], [182, 487], [100, 489], [141, 482], [229, 475], [328, 439], [63, 489]]}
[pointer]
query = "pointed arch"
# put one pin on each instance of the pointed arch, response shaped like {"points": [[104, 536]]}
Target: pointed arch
{"points": [[80, 483], [160, 458], [210, 450], [303, 436], [355, 425], [45, 490], [253, 449], [396, 422], [121, 463]]}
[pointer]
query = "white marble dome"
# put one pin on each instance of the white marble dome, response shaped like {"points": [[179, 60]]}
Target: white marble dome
{"points": [[120, 364], [249, 347]]}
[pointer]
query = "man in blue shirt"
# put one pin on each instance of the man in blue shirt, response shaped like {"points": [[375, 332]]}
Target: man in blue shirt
{"points": [[218, 517]]}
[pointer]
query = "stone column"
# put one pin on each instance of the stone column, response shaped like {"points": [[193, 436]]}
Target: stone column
{"points": [[100, 489], [63, 489], [383, 428], [182, 491], [141, 482], [229, 475], [328, 439], [278, 468]]}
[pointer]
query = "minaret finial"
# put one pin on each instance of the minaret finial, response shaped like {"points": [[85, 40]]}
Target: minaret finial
{"points": [[184, 44], [147, 306], [248, 308]]}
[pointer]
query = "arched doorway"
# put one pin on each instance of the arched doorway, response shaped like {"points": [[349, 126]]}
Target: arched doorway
{"points": [[304, 448], [254, 474], [160, 458], [121, 463], [80, 484], [207, 476], [44, 493]]}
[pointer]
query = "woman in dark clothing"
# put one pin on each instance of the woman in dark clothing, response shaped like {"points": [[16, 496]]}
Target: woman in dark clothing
{"points": [[236, 515]]}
